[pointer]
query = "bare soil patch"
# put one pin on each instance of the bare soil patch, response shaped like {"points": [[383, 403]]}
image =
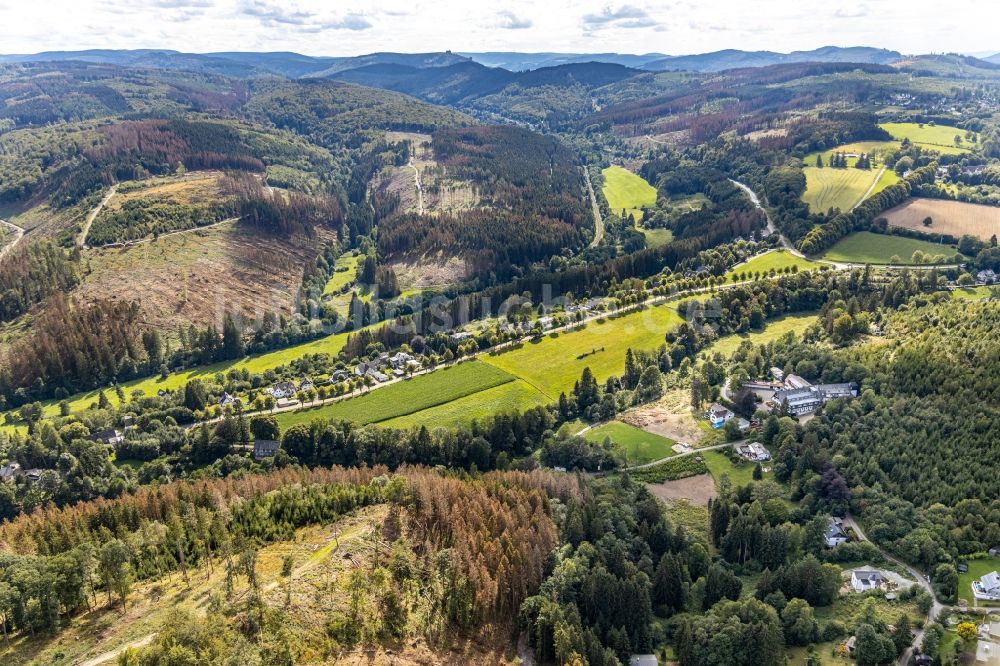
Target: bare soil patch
{"points": [[954, 218], [697, 490], [671, 417], [429, 272]]}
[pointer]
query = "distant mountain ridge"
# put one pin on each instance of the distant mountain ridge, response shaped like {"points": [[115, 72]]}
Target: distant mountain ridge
{"points": [[733, 58], [296, 65]]}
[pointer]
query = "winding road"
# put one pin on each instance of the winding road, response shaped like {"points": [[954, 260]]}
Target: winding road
{"points": [[936, 606], [18, 234], [81, 240], [598, 219]]}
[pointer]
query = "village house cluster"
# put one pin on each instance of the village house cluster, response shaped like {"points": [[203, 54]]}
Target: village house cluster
{"points": [[796, 396]]}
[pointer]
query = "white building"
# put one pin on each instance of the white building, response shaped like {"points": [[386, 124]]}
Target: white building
{"points": [[835, 534], [987, 588], [864, 580]]}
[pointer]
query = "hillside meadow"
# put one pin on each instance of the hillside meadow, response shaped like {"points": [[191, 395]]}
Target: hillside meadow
{"points": [[865, 247], [625, 190]]}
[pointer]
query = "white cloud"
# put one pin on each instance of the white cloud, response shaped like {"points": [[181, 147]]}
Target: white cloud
{"points": [[337, 27]]}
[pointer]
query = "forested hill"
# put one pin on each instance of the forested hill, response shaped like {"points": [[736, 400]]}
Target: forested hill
{"points": [[532, 195]]}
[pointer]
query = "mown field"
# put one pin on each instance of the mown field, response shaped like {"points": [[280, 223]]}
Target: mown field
{"points": [[936, 137], [554, 363], [625, 190], [865, 247], [657, 237], [955, 218], [776, 260], [406, 397], [638, 446], [828, 188], [515, 395]]}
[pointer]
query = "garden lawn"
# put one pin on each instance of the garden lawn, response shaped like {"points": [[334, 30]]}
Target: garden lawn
{"points": [[776, 260], [774, 330], [515, 395], [865, 247], [624, 189], [640, 447], [406, 397], [554, 363], [977, 569], [740, 473]]}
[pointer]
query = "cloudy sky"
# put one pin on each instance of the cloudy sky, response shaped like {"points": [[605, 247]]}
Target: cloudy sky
{"points": [[335, 27]]}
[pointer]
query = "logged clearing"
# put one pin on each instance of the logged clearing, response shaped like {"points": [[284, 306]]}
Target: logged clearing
{"points": [[625, 190], [438, 191], [954, 218], [197, 277], [430, 272], [697, 490]]}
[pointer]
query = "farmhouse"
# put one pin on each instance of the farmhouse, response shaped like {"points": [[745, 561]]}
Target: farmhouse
{"points": [[718, 415], [754, 452], [227, 400], [9, 471], [987, 588], [282, 390], [265, 448], [835, 534], [863, 580], [110, 436]]}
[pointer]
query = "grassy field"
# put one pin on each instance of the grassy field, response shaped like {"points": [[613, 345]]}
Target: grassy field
{"points": [[828, 188], [624, 189], [740, 474], [640, 447], [971, 293], [344, 273], [954, 218], [771, 261], [554, 363], [406, 397], [977, 569], [506, 397], [936, 137], [776, 328], [657, 237], [865, 247]]}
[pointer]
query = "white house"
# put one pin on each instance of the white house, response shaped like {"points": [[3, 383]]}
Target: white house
{"points": [[282, 390], [835, 534], [863, 580], [754, 452], [718, 415], [987, 588]]}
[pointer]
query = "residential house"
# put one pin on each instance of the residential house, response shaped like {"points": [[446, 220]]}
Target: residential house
{"points": [[282, 390], [362, 369], [340, 376], [305, 384], [265, 448], [110, 436], [33, 475], [987, 588], [835, 534], [865, 580], [754, 452], [778, 374], [9, 471], [460, 336], [718, 415], [987, 276], [228, 400]]}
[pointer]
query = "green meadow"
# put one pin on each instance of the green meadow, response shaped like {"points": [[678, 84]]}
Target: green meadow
{"points": [[638, 446], [865, 247], [625, 190], [554, 363], [406, 397], [936, 137], [775, 260], [775, 330]]}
